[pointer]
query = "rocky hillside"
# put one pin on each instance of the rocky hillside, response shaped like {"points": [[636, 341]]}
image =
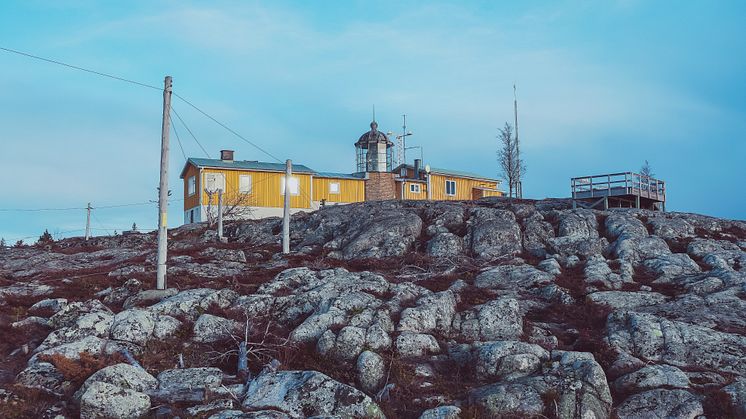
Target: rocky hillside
{"points": [[392, 309]]}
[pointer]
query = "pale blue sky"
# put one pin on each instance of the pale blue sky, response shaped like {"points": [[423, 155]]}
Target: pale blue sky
{"points": [[602, 86]]}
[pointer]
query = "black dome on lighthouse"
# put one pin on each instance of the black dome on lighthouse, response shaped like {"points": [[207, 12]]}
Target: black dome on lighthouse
{"points": [[373, 136]]}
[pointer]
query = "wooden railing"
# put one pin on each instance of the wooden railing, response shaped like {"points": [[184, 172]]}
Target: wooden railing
{"points": [[616, 184]]}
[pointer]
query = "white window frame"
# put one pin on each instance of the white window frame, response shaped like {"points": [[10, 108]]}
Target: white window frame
{"points": [[214, 180], [294, 185], [415, 188], [191, 185], [241, 186], [451, 182], [335, 188]]}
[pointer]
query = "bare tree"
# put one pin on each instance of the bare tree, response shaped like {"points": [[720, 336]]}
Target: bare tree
{"points": [[647, 170], [235, 205], [511, 164]]}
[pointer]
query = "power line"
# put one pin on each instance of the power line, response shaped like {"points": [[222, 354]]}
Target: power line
{"points": [[190, 132], [177, 136], [99, 223], [111, 76], [226, 127], [38, 209], [75, 67], [83, 208], [123, 205]]}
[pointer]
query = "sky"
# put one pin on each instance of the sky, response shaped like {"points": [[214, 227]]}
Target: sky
{"points": [[601, 86]]}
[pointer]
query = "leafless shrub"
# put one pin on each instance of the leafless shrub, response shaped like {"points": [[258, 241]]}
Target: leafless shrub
{"points": [[258, 343], [235, 205], [511, 164]]}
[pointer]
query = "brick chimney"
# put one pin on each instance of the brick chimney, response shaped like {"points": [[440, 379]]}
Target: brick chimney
{"points": [[226, 155]]}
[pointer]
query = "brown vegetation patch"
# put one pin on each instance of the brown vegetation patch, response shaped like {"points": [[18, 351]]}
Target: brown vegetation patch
{"points": [[161, 355], [717, 405], [27, 403], [472, 296], [83, 287], [77, 371], [644, 277], [305, 357], [582, 324], [731, 233], [438, 283], [679, 245], [573, 280], [75, 248], [730, 328], [13, 338], [410, 397]]}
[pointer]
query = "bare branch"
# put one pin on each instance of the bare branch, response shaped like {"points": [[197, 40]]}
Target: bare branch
{"points": [[507, 156], [236, 205]]}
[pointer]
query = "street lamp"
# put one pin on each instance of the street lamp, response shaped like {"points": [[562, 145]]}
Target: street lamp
{"points": [[401, 141], [416, 146]]}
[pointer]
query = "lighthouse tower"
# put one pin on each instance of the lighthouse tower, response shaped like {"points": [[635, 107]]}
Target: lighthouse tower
{"points": [[374, 155], [374, 151]]}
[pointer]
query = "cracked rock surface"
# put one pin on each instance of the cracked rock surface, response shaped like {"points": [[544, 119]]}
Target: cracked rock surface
{"points": [[386, 309]]}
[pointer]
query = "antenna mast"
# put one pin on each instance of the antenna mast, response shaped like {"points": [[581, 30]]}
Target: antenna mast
{"points": [[519, 186], [403, 140]]}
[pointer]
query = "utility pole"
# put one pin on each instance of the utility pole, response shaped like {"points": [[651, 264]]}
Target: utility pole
{"points": [[163, 189], [220, 214], [404, 139], [518, 192], [88, 222], [286, 209]]}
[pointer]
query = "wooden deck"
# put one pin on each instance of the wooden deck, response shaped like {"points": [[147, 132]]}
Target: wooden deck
{"points": [[626, 189]]}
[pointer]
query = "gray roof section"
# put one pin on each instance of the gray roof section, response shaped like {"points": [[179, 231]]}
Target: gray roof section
{"points": [[356, 176], [457, 173], [268, 167], [460, 173], [248, 165]]}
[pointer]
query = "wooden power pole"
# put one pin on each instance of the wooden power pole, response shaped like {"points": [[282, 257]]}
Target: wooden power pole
{"points": [[286, 209], [88, 222], [220, 214], [163, 189]]}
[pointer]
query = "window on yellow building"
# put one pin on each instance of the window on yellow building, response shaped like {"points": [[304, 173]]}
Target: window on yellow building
{"points": [[414, 187], [292, 183], [192, 185], [450, 187], [214, 181], [244, 184], [334, 187]]}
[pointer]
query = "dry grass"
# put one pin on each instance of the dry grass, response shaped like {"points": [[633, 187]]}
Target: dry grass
{"points": [[78, 370], [27, 403]]}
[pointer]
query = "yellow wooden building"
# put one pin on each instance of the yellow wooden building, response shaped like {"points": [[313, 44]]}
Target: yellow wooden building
{"points": [[257, 189], [437, 184], [254, 189]]}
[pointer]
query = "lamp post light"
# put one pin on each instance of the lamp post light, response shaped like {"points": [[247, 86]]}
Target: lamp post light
{"points": [[401, 145], [416, 146], [403, 140]]}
